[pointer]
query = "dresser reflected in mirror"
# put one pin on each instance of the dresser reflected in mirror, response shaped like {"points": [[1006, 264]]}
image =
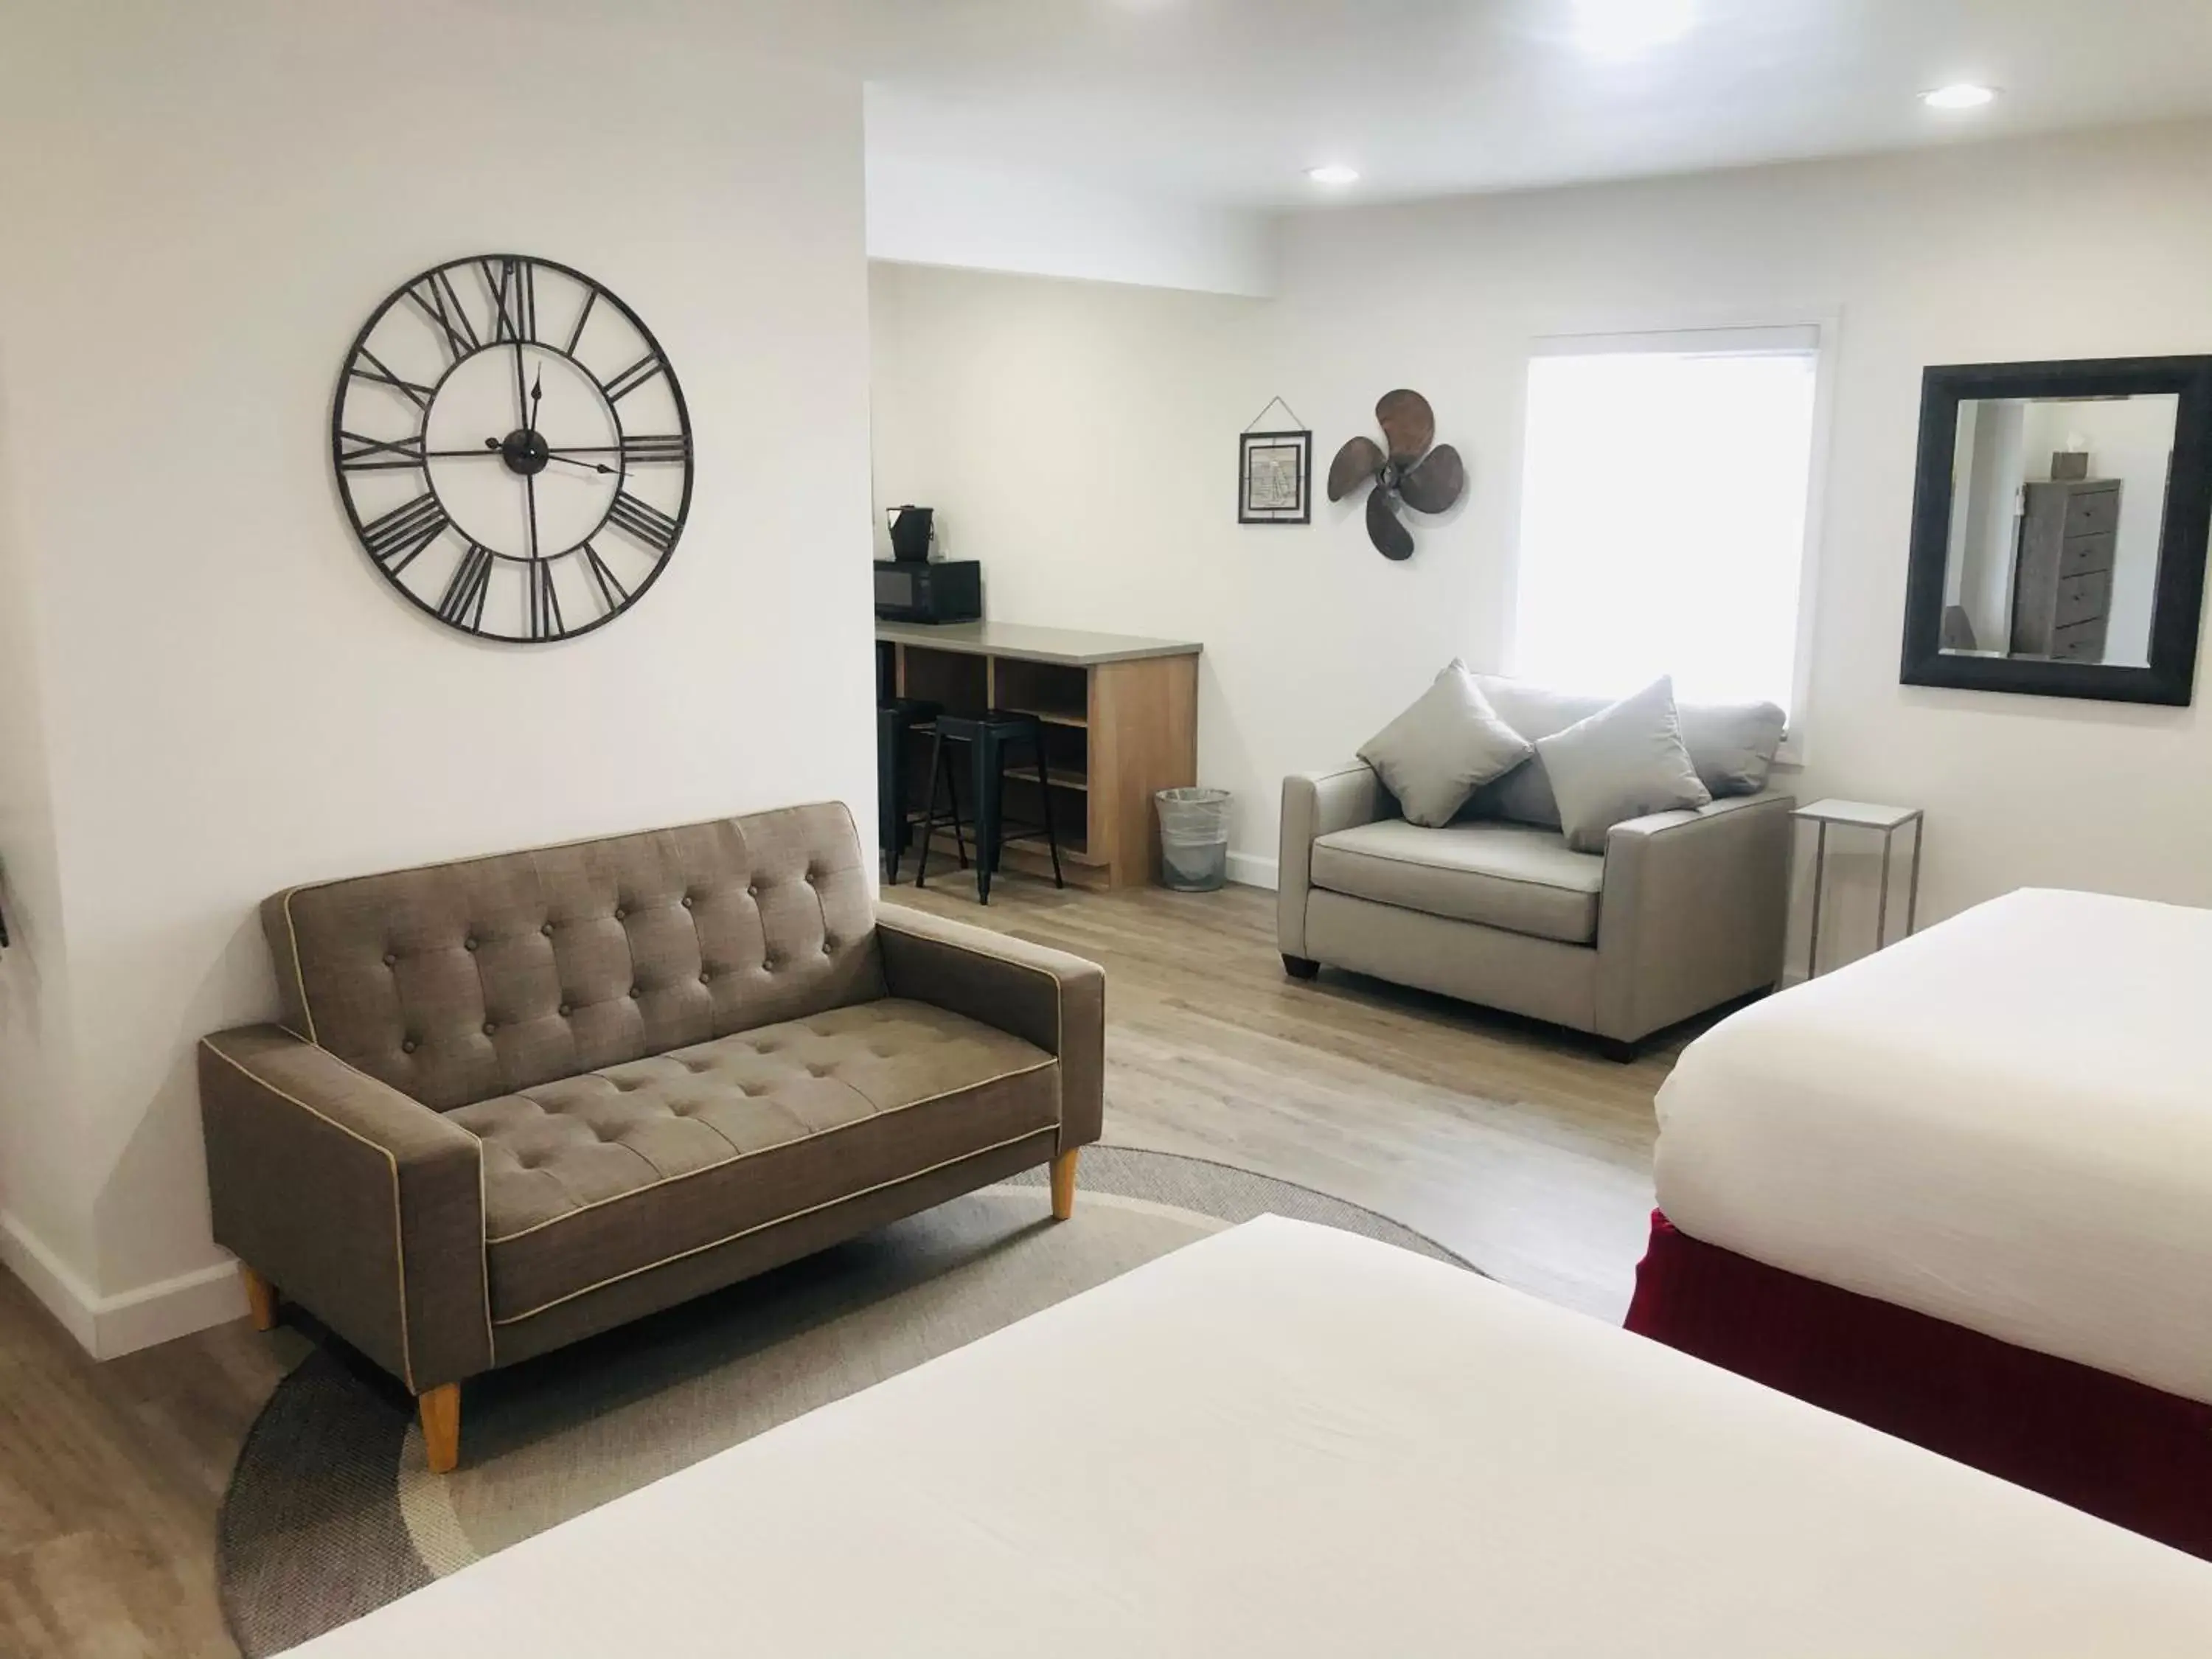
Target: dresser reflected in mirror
{"points": [[2059, 528]]}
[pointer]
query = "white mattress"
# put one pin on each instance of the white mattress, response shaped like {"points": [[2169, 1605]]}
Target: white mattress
{"points": [[1287, 1441], [2005, 1122]]}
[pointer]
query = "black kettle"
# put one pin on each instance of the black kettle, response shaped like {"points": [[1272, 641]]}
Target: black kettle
{"points": [[911, 530]]}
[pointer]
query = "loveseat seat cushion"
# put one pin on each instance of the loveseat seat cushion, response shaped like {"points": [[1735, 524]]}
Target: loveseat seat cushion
{"points": [[1512, 876], [594, 1178]]}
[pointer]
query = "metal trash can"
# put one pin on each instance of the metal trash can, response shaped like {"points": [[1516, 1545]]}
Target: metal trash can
{"points": [[1194, 839]]}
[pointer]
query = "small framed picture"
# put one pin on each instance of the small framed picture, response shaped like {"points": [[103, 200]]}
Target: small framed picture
{"points": [[1274, 478]]}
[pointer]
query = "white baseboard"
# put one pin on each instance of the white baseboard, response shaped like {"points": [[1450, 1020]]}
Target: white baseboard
{"points": [[1250, 869], [108, 1326], [170, 1307], [48, 1277]]}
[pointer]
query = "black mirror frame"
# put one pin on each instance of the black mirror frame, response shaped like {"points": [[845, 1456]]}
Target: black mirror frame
{"points": [[2177, 604]]}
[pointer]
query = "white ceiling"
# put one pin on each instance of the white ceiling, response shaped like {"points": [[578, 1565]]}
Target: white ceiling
{"points": [[1230, 101]]}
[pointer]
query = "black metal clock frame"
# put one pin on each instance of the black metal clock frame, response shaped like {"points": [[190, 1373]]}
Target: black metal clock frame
{"points": [[394, 538]]}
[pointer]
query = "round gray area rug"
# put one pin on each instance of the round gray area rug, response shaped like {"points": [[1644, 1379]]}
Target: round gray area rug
{"points": [[332, 1511]]}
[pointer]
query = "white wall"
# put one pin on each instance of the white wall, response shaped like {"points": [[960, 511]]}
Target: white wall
{"points": [[923, 210], [202, 203], [1313, 641], [1079, 439]]}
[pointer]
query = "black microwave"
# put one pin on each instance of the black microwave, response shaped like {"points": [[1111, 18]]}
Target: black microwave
{"points": [[940, 590]]}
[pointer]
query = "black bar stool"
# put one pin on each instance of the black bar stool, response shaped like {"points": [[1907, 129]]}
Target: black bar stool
{"points": [[989, 737], [897, 719]]}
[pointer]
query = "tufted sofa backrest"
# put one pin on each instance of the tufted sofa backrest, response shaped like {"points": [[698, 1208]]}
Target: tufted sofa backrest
{"points": [[456, 982]]}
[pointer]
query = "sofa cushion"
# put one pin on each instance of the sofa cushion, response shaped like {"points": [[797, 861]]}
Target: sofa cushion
{"points": [[1443, 748], [602, 1175], [1732, 744], [1621, 763], [460, 982], [1512, 876]]}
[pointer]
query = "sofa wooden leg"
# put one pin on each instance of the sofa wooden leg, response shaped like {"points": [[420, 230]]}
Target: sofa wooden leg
{"points": [[1300, 967], [1063, 1183], [260, 1299], [441, 1411]]}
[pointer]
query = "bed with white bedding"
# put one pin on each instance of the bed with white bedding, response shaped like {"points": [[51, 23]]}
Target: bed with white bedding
{"points": [[1289, 1441], [2004, 1122], [1961, 1190]]}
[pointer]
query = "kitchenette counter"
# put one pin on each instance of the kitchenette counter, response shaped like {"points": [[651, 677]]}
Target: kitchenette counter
{"points": [[1120, 719], [1072, 647]]}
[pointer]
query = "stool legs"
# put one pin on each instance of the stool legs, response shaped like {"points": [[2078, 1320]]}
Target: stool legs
{"points": [[984, 753], [1044, 794], [992, 739], [940, 770], [950, 774], [929, 817]]}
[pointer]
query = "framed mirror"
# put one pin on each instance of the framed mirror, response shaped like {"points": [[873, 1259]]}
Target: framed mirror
{"points": [[2059, 522]]}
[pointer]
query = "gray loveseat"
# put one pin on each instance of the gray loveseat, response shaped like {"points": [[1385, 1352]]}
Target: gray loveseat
{"points": [[1683, 911], [518, 1100]]}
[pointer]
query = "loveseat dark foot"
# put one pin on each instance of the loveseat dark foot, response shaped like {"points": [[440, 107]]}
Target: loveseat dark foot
{"points": [[1300, 967], [1620, 1053]]}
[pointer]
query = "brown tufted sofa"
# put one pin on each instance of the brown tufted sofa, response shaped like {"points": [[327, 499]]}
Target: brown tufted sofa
{"points": [[518, 1100]]}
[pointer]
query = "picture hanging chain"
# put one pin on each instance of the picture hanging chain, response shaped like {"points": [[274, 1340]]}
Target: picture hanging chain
{"points": [[1276, 403]]}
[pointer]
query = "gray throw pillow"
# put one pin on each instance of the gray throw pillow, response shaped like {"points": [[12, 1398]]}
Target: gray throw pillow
{"points": [[1732, 744], [1621, 763], [1525, 796], [1439, 751]]}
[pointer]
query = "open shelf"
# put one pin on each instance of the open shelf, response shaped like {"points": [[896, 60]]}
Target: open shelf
{"points": [[1055, 694], [1059, 779]]}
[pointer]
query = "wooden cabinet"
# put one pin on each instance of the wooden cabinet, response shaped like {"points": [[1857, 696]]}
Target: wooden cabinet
{"points": [[1120, 719], [2062, 592]]}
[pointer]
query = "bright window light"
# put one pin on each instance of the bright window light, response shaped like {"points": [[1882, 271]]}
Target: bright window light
{"points": [[1663, 514]]}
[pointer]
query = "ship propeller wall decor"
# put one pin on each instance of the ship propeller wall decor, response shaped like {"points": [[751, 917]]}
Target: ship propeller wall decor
{"points": [[1409, 472]]}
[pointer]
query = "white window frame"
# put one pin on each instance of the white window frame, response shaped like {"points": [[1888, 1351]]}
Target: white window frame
{"points": [[1720, 332]]}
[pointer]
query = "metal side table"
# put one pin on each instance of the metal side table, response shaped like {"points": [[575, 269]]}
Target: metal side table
{"points": [[1862, 815]]}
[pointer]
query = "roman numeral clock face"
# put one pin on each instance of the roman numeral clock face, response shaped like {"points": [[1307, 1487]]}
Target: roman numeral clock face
{"points": [[513, 448]]}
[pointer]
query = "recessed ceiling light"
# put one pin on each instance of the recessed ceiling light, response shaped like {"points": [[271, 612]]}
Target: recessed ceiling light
{"points": [[1333, 175], [1964, 95]]}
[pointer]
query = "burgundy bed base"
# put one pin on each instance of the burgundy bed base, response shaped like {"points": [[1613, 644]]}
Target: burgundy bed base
{"points": [[2134, 1455]]}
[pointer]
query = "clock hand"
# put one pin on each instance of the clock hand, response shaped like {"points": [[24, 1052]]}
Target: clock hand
{"points": [[537, 390], [493, 446]]}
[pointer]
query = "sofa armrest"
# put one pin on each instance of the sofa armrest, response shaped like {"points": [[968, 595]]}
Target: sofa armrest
{"points": [[1693, 912], [1043, 996], [362, 1205], [1317, 804]]}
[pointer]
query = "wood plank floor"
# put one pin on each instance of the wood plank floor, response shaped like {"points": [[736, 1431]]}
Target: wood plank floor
{"points": [[1518, 1147]]}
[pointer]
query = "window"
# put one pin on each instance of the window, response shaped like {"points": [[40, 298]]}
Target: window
{"points": [[1665, 496]]}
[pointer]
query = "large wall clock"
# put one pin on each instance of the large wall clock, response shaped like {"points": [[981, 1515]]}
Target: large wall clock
{"points": [[513, 448]]}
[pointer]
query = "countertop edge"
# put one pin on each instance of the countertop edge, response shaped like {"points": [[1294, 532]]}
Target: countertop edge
{"points": [[917, 634]]}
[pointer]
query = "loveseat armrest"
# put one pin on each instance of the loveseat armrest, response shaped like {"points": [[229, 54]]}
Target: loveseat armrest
{"points": [[1317, 804], [1693, 911], [362, 1204], [1045, 997]]}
